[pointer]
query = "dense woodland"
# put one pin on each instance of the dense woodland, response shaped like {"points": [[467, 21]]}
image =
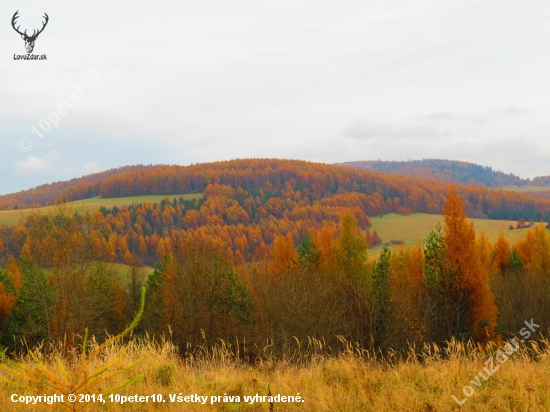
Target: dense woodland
{"points": [[249, 203], [325, 286], [539, 194], [272, 251], [450, 171], [312, 180]]}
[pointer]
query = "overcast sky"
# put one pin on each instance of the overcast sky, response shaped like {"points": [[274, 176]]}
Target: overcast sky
{"points": [[183, 82]]}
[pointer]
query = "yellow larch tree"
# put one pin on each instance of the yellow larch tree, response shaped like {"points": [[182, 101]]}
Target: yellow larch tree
{"points": [[468, 269]]}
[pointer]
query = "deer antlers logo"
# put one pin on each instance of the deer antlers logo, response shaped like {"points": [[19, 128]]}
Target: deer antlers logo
{"points": [[29, 40]]}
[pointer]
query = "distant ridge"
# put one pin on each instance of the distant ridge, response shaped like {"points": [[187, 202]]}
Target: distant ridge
{"points": [[293, 188], [464, 173]]}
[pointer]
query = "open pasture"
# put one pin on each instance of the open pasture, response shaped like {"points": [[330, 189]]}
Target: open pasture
{"points": [[414, 228], [11, 217]]}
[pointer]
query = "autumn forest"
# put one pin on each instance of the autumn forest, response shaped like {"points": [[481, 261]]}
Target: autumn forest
{"points": [[258, 252]]}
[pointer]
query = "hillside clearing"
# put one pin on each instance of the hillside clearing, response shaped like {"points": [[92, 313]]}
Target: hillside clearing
{"points": [[11, 217], [526, 188], [415, 227]]}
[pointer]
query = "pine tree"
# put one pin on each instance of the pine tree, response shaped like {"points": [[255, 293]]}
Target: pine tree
{"points": [[368, 237], [502, 254], [468, 271], [142, 249], [111, 248], [161, 249], [128, 258], [379, 300], [540, 258], [15, 274], [514, 261], [350, 262], [283, 255], [308, 254], [375, 239]]}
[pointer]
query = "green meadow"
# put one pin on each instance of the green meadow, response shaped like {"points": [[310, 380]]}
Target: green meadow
{"points": [[11, 217], [526, 188], [415, 227]]}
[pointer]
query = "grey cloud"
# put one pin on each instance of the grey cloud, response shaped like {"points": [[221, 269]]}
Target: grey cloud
{"points": [[366, 130], [509, 111], [475, 119], [444, 117], [438, 117]]}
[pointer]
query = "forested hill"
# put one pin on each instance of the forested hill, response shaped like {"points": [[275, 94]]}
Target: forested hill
{"points": [[43, 195], [449, 171], [297, 190]]}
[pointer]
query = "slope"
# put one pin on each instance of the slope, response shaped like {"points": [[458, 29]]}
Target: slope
{"points": [[78, 188], [451, 171]]}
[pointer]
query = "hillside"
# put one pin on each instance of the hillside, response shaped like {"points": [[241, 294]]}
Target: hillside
{"points": [[316, 181], [79, 188], [376, 193], [11, 217], [276, 252], [248, 203], [450, 171], [89, 186]]}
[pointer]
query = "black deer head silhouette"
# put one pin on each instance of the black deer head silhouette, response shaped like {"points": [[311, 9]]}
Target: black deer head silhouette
{"points": [[29, 40]]}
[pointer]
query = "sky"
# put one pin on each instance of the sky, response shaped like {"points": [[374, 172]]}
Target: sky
{"points": [[182, 82]]}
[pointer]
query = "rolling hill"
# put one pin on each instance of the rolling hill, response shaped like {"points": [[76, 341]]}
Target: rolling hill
{"points": [[464, 173], [386, 192], [78, 188], [248, 203], [245, 245]]}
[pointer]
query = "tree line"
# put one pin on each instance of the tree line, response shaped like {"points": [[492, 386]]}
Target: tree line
{"points": [[459, 172], [325, 286], [315, 181]]}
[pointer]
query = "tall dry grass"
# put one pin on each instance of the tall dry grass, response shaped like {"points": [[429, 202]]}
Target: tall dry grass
{"points": [[420, 379]]}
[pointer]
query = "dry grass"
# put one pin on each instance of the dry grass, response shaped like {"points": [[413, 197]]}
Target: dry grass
{"points": [[356, 380], [415, 228]]}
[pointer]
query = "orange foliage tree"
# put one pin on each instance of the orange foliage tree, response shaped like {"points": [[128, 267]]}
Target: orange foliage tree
{"points": [[468, 272]]}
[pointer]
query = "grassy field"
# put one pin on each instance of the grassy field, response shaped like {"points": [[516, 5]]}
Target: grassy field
{"points": [[426, 380], [416, 227], [526, 188], [11, 217]]}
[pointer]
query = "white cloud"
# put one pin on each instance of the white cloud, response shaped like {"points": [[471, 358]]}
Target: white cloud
{"points": [[34, 164], [50, 163], [90, 168]]}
